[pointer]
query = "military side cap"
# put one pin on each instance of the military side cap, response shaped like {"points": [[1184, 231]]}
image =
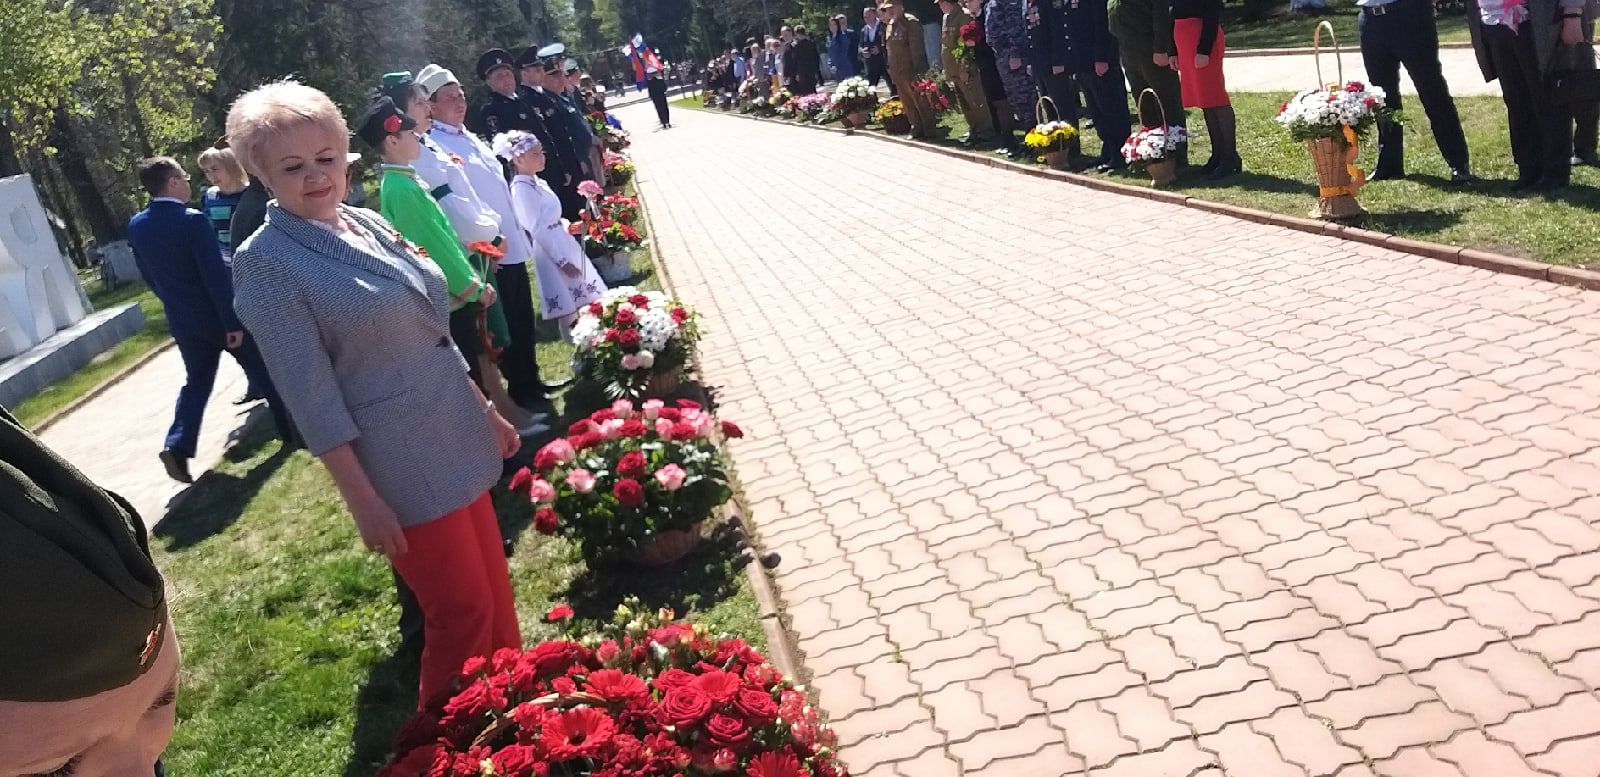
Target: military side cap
{"points": [[85, 607], [492, 59], [383, 119], [397, 87]]}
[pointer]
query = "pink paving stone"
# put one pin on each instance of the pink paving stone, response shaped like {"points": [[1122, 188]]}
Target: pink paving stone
{"points": [[1272, 462]]}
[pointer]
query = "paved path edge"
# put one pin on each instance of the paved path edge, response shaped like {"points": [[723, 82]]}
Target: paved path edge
{"points": [[1567, 276], [783, 647], [103, 387]]}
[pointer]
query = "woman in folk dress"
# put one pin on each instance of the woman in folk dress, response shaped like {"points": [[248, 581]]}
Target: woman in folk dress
{"points": [[567, 280]]}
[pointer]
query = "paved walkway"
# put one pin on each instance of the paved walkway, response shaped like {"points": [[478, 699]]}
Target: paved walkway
{"points": [[1293, 72], [115, 437], [1067, 482]]}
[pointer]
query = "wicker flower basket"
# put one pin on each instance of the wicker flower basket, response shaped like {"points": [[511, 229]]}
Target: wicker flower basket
{"points": [[663, 384], [858, 119], [1162, 173], [614, 268], [898, 125], [1057, 160], [668, 547], [1336, 197], [1165, 171]]}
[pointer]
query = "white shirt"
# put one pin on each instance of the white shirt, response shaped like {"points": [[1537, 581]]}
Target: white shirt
{"points": [[484, 172], [472, 220]]}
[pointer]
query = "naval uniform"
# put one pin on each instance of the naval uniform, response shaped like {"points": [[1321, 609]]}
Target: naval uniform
{"points": [[504, 114], [566, 154]]}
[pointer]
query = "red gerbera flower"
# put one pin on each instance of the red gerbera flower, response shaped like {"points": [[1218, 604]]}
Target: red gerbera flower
{"points": [[580, 733], [775, 764], [616, 686], [720, 686]]}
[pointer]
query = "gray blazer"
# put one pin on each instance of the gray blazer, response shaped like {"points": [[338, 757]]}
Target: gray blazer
{"points": [[360, 351]]}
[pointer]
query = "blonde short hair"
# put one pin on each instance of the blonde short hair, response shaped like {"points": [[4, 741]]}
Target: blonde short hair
{"points": [[277, 108], [223, 156]]}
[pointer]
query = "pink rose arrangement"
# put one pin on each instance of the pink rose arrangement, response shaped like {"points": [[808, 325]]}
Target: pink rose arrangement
{"points": [[628, 473], [647, 696]]}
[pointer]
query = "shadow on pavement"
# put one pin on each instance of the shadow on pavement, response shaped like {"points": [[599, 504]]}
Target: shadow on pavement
{"points": [[217, 498]]}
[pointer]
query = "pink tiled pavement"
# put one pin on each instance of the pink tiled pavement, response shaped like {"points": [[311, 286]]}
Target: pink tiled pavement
{"points": [[1066, 482]]}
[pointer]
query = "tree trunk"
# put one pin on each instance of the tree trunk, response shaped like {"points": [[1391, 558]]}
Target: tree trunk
{"points": [[70, 156], [9, 164], [130, 100]]}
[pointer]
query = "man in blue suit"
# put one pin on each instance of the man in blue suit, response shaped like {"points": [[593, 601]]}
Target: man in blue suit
{"points": [[181, 260]]}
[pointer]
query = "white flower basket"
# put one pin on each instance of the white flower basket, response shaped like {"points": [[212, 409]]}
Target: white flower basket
{"points": [[614, 268]]}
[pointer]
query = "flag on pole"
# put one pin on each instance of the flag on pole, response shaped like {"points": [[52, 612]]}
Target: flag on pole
{"points": [[646, 62]]}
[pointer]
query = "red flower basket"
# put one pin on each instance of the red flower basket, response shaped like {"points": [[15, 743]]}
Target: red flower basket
{"points": [[648, 696]]}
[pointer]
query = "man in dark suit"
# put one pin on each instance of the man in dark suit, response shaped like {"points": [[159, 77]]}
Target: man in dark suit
{"points": [[873, 57], [180, 259]]}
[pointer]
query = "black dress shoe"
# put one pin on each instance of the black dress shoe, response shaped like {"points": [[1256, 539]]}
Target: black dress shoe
{"points": [[1225, 169], [1550, 185], [1109, 166], [1460, 175], [177, 466], [1386, 175]]}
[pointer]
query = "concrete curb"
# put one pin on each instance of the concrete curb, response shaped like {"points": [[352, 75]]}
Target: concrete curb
{"points": [[782, 647], [105, 385], [1566, 276]]}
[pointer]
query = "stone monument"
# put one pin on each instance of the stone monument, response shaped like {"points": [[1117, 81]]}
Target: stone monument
{"points": [[46, 332]]}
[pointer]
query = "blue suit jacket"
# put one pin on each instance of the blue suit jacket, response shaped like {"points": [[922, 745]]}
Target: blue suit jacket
{"points": [[181, 260]]}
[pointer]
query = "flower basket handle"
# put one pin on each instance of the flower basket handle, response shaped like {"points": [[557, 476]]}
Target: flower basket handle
{"points": [[1139, 104], [1316, 52], [1039, 114]]}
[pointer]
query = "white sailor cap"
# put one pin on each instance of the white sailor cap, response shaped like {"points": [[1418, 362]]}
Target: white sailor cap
{"points": [[433, 78]]}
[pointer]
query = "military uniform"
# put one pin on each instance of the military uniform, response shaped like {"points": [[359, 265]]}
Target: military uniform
{"points": [[1143, 28], [964, 74], [562, 151], [1085, 26], [1051, 50], [902, 39], [1006, 28]]}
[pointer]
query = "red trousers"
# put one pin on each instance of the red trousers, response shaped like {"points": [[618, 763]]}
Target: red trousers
{"points": [[456, 566]]}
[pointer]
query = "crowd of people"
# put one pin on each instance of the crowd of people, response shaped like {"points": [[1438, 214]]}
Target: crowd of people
{"points": [[396, 346], [1092, 59]]}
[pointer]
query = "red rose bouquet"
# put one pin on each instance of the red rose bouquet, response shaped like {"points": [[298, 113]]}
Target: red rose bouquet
{"points": [[971, 36], [604, 235], [628, 474], [623, 210], [647, 697], [934, 93], [627, 336]]}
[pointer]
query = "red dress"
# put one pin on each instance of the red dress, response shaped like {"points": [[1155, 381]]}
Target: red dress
{"points": [[1203, 87]]}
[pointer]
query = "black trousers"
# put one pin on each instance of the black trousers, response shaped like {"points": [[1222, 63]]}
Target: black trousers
{"points": [[1586, 136], [1106, 98], [519, 362], [1405, 35], [465, 334], [1541, 131], [877, 69], [658, 95], [1061, 91]]}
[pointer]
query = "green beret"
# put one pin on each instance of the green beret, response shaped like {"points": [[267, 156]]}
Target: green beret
{"points": [[84, 606]]}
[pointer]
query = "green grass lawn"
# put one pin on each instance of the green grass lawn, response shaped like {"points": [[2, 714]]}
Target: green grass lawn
{"points": [[153, 335], [288, 626], [1284, 29], [1485, 215]]}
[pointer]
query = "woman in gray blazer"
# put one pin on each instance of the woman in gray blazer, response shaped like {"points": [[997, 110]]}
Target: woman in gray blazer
{"points": [[354, 325]]}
